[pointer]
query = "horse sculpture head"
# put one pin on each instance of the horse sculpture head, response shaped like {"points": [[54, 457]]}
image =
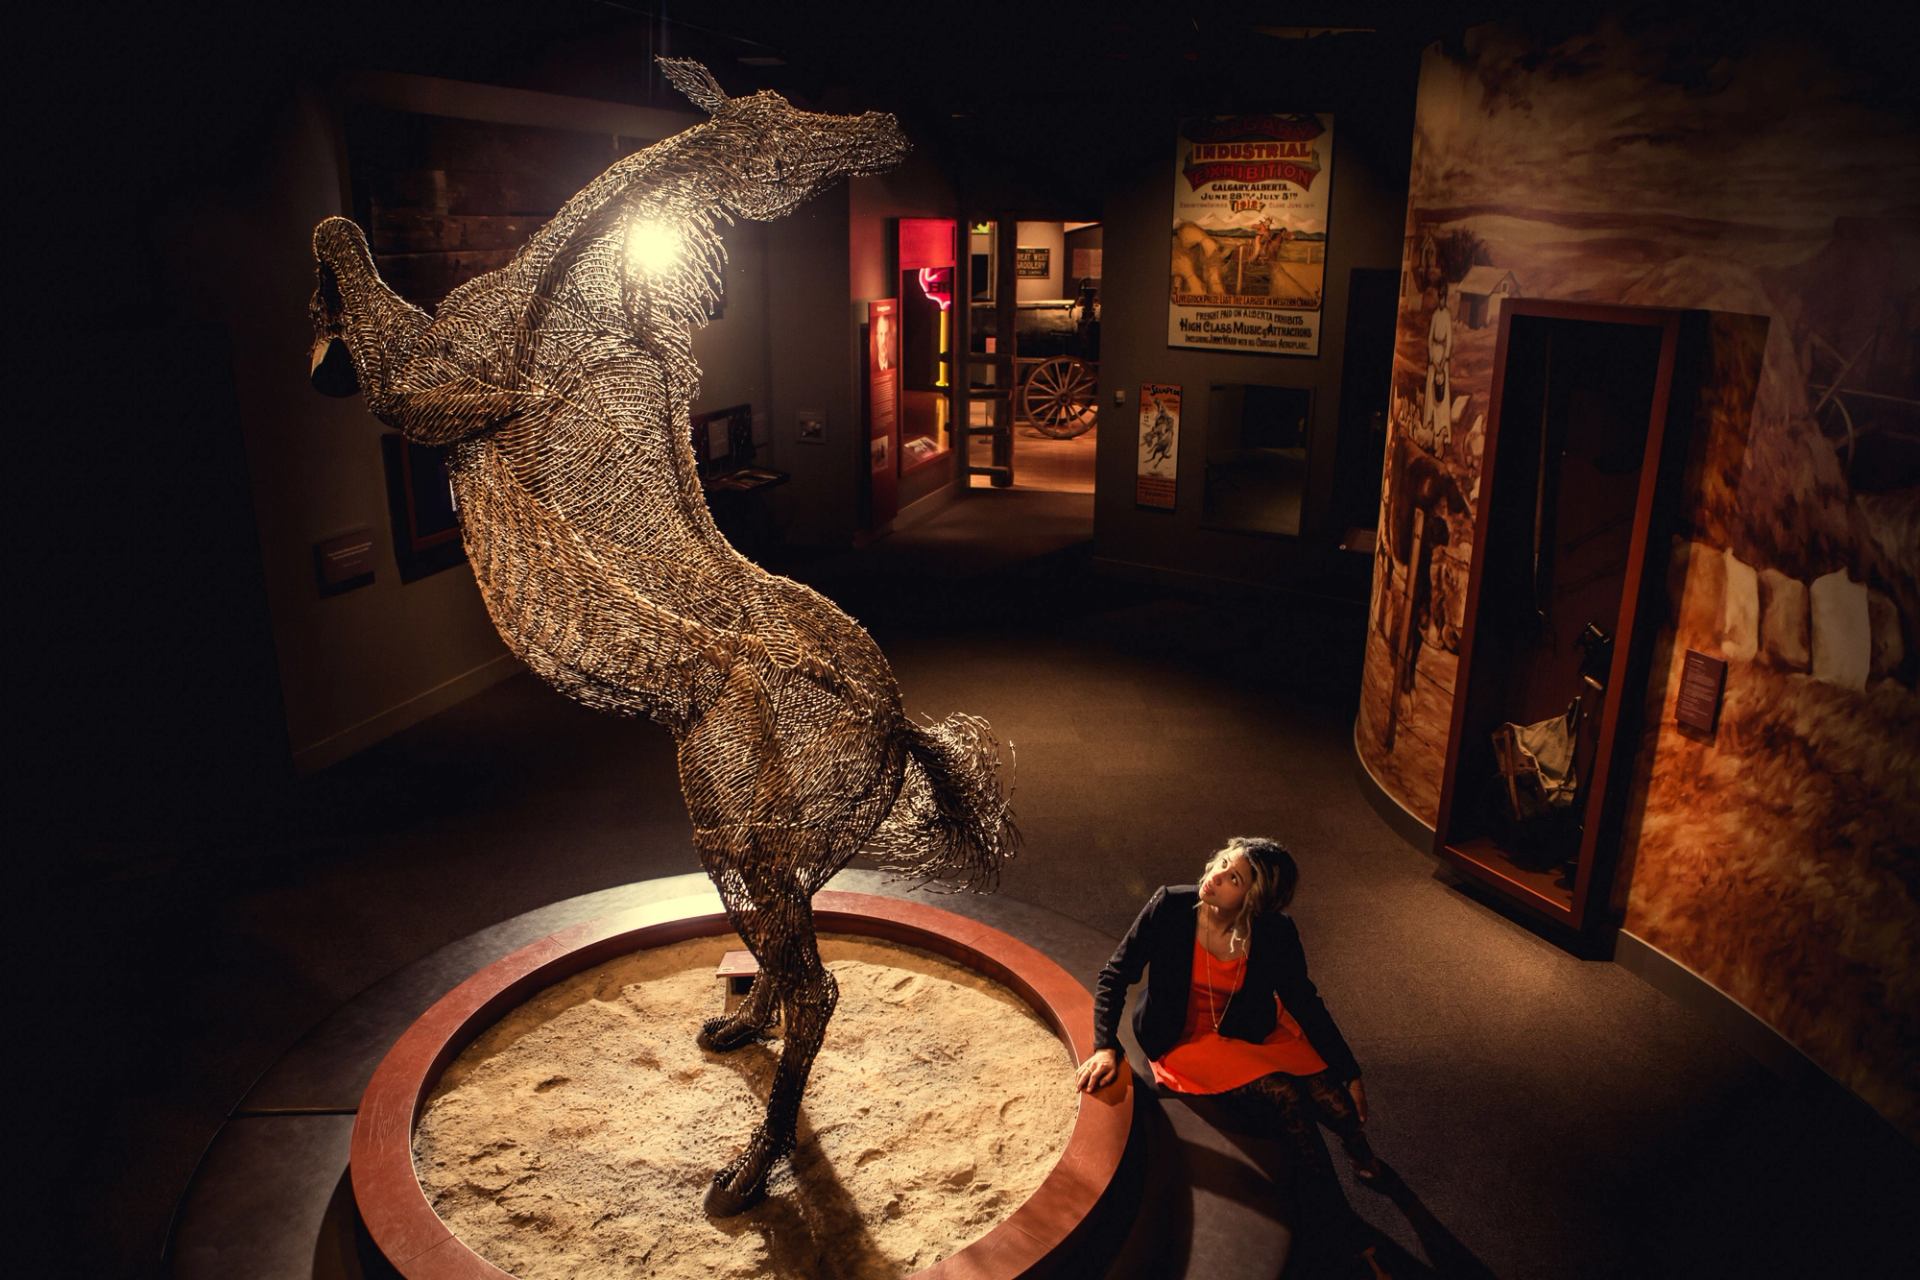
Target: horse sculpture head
{"points": [[776, 155]]}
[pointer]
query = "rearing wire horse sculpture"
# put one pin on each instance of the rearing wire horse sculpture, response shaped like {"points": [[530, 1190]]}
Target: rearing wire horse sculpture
{"points": [[563, 383]]}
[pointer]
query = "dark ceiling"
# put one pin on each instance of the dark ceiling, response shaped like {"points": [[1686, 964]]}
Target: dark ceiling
{"points": [[1005, 97], [127, 106], [136, 103]]}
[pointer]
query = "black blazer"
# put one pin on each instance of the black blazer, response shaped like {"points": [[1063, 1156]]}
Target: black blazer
{"points": [[1161, 942]]}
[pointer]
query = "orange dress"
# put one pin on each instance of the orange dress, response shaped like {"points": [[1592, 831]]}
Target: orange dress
{"points": [[1204, 1061]]}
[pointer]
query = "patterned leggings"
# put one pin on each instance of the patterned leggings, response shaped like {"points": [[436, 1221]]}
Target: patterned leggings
{"points": [[1291, 1106]]}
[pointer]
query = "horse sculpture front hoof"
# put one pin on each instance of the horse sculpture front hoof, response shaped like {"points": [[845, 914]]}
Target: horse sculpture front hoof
{"points": [[723, 1200]]}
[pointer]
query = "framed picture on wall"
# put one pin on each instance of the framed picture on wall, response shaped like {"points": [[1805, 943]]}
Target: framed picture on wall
{"points": [[1159, 453], [444, 199], [426, 529], [723, 439], [1250, 201]]}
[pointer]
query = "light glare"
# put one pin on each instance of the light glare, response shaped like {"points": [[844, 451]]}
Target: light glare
{"points": [[653, 247]]}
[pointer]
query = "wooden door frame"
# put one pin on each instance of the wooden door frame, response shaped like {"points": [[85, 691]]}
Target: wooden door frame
{"points": [[1000, 431], [1593, 900]]}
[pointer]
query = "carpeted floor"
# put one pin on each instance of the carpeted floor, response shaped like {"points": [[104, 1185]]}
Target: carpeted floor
{"points": [[1558, 1116]]}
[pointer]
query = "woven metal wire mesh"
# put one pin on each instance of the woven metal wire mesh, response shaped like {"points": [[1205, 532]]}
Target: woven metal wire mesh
{"points": [[563, 385]]}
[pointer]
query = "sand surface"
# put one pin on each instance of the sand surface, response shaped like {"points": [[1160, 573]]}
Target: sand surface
{"points": [[578, 1135]]}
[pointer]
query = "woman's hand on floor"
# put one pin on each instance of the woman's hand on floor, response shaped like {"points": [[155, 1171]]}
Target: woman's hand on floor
{"points": [[1359, 1092], [1100, 1069]]}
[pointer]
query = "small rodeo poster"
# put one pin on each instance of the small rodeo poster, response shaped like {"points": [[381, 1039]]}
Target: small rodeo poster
{"points": [[1159, 445], [1250, 200]]}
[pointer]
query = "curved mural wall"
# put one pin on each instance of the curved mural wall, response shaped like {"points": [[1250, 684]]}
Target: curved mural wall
{"points": [[1734, 171]]}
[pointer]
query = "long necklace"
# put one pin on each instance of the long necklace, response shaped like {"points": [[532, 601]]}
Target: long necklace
{"points": [[1206, 959]]}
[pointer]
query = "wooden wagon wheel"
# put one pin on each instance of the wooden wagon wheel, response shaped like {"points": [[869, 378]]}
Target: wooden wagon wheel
{"points": [[1061, 397]]}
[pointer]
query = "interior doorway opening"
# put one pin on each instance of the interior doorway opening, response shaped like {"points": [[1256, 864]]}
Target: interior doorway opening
{"points": [[1032, 320]]}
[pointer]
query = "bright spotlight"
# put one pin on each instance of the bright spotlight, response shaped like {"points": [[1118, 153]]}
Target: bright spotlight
{"points": [[653, 247]]}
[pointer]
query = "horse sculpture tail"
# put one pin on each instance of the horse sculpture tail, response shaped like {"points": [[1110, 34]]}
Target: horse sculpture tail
{"points": [[952, 821]]}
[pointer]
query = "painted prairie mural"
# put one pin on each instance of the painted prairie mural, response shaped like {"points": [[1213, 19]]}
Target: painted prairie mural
{"points": [[1736, 172]]}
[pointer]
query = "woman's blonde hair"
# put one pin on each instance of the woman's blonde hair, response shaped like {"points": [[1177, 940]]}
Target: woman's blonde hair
{"points": [[1272, 877]]}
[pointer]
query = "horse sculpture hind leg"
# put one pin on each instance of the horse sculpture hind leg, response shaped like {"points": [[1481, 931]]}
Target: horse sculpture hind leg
{"points": [[785, 778], [730, 872]]}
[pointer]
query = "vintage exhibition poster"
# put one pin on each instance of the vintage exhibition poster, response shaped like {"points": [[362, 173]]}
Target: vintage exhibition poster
{"points": [[1159, 445], [1250, 198], [883, 409]]}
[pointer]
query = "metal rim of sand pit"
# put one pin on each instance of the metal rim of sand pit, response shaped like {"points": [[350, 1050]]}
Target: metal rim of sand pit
{"points": [[402, 1222]]}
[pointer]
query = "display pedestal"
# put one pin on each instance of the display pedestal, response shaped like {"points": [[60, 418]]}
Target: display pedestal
{"points": [[1036, 1236]]}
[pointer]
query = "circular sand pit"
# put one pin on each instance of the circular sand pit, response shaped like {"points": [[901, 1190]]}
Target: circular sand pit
{"points": [[578, 1134], [917, 1136]]}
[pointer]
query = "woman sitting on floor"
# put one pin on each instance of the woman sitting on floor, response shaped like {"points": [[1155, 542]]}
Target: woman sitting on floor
{"points": [[1230, 1013]]}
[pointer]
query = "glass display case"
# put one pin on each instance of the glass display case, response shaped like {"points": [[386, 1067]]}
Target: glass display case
{"points": [[927, 362], [929, 345], [1584, 443], [1256, 461]]}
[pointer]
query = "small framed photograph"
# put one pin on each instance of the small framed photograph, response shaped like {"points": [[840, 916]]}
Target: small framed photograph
{"points": [[723, 439], [426, 526]]}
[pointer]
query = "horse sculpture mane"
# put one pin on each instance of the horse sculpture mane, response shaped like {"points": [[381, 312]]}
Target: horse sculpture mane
{"points": [[563, 383]]}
